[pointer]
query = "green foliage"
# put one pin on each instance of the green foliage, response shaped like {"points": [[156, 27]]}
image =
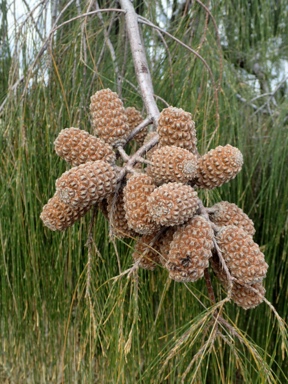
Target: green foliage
{"points": [[58, 327]]}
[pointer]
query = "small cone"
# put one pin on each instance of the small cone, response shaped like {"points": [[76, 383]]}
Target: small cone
{"points": [[146, 251], [109, 119], [219, 166], [243, 257], [172, 164], [136, 192], [86, 184], [190, 250], [176, 127], [58, 216], [242, 295], [164, 243], [134, 119], [224, 213], [247, 298], [172, 204], [118, 220], [78, 147]]}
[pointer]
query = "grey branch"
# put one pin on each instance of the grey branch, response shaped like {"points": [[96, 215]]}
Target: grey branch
{"points": [[139, 58]]}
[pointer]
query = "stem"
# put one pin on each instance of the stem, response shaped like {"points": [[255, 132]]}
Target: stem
{"points": [[139, 128], [139, 58], [133, 159]]}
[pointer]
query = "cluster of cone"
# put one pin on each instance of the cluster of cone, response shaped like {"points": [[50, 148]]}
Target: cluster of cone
{"points": [[158, 205]]}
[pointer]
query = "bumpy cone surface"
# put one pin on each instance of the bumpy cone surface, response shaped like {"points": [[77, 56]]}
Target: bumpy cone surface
{"points": [[147, 251], [58, 216], [109, 119], [218, 166], [164, 243], [172, 204], [247, 298], [78, 147], [225, 213], [86, 184], [176, 127], [118, 219], [134, 119], [172, 164], [190, 250], [242, 295], [136, 192], [242, 256]]}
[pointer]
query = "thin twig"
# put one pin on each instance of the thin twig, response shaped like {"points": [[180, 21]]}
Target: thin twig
{"points": [[139, 128], [134, 158], [230, 279], [46, 43], [216, 88]]}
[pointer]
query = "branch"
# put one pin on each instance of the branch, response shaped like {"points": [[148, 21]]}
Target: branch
{"points": [[139, 128], [139, 58]]}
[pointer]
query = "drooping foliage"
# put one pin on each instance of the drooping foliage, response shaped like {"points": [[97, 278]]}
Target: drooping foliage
{"points": [[66, 309]]}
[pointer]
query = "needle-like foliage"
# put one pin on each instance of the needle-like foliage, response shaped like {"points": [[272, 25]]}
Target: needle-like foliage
{"points": [[68, 310]]}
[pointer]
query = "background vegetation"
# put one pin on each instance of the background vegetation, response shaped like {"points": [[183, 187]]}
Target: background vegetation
{"points": [[55, 327]]}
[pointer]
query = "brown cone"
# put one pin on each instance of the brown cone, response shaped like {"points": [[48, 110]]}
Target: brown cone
{"points": [[172, 163], [86, 184], [164, 243], [134, 119], [118, 219], [243, 257], [224, 213], [78, 147], [109, 119], [190, 250], [172, 204], [58, 216], [247, 298], [242, 295], [219, 166], [147, 251], [136, 192], [176, 127]]}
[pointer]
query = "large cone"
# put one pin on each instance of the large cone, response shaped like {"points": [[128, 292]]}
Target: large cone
{"points": [[176, 127], [242, 295], [224, 213], [190, 250], [172, 204], [219, 166], [58, 216], [86, 184], [172, 164], [136, 192], [243, 257], [78, 147], [109, 119]]}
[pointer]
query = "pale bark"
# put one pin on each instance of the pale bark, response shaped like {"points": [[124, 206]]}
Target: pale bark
{"points": [[140, 61]]}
